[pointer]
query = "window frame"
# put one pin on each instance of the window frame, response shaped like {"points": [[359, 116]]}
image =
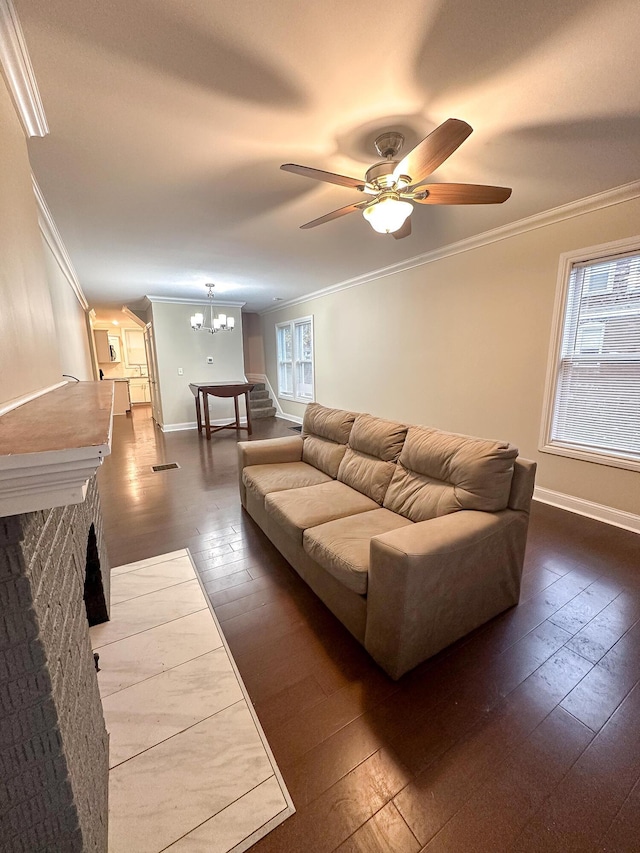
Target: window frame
{"points": [[295, 360], [594, 254]]}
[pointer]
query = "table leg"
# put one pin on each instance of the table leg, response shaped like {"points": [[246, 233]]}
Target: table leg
{"points": [[246, 398], [207, 418], [235, 406], [198, 412]]}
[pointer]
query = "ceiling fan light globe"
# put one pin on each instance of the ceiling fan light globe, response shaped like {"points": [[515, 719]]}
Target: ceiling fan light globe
{"points": [[387, 215]]}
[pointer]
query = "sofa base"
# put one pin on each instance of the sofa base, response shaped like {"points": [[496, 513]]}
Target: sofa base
{"points": [[401, 643]]}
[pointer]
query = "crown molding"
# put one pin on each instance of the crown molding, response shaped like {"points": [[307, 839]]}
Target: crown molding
{"points": [[174, 300], [608, 198], [54, 241], [18, 70], [133, 317]]}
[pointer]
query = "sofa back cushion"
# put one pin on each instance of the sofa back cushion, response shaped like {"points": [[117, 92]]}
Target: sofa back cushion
{"points": [[442, 472], [325, 432], [369, 461]]}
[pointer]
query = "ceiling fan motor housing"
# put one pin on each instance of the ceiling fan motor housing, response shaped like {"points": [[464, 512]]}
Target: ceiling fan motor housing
{"points": [[381, 176]]}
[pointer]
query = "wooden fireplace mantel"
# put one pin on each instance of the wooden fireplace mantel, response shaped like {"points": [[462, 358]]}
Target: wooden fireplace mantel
{"points": [[51, 446]]}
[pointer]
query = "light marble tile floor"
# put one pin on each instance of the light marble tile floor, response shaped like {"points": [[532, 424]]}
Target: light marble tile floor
{"points": [[191, 770]]}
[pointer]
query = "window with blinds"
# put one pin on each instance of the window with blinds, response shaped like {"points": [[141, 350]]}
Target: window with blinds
{"points": [[294, 343], [596, 383]]}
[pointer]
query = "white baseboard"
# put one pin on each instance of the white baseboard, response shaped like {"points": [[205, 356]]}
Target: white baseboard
{"points": [[194, 425], [177, 427], [293, 418], [599, 512]]}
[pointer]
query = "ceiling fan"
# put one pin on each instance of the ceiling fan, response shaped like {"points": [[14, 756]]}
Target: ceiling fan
{"points": [[394, 184]]}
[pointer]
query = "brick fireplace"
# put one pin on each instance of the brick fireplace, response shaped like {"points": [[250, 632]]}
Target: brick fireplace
{"points": [[54, 581]]}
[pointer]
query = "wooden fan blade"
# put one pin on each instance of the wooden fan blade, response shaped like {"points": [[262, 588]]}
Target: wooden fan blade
{"points": [[434, 149], [405, 231], [463, 194], [319, 175], [335, 214]]}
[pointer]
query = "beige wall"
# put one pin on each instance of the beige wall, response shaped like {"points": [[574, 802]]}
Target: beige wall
{"points": [[253, 344], [70, 321], [177, 345], [462, 344], [29, 358]]}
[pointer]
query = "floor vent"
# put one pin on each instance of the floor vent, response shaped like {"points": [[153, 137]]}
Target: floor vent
{"points": [[296, 428], [166, 467]]}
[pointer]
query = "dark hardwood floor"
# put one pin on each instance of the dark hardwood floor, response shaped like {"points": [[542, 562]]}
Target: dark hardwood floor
{"points": [[524, 736]]}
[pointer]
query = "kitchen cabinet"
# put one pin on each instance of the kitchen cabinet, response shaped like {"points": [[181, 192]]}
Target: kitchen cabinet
{"points": [[134, 351], [101, 337], [139, 389], [107, 346]]}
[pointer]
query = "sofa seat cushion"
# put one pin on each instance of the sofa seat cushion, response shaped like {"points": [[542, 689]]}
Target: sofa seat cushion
{"points": [[342, 547], [297, 509], [279, 476]]}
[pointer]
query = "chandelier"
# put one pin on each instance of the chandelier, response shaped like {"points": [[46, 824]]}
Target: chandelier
{"points": [[220, 323]]}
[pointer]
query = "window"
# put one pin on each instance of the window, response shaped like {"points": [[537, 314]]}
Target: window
{"points": [[294, 341], [599, 278], [589, 338], [592, 407]]}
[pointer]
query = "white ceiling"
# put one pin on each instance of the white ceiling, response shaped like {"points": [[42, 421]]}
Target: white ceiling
{"points": [[169, 121]]}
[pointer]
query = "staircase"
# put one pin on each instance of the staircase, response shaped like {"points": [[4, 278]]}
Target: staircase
{"points": [[260, 402]]}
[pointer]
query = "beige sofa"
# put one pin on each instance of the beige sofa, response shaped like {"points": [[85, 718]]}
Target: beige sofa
{"points": [[411, 536]]}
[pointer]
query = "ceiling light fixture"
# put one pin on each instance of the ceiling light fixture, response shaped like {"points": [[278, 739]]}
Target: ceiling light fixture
{"points": [[387, 214], [220, 323]]}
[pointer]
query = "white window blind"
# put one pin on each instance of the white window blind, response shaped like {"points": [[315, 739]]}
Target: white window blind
{"points": [[294, 341], [596, 404]]}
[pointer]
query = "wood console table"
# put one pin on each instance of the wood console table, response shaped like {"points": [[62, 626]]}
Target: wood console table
{"points": [[220, 389]]}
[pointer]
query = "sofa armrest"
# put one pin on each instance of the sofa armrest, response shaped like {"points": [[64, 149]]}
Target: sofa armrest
{"points": [[265, 452], [524, 477], [433, 582], [269, 450]]}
